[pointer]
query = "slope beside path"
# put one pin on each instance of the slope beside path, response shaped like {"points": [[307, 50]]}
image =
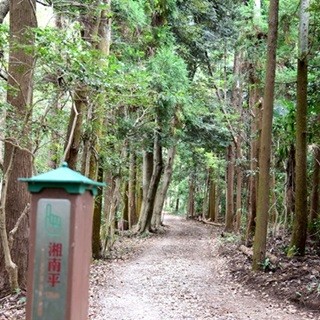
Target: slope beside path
{"points": [[179, 275]]}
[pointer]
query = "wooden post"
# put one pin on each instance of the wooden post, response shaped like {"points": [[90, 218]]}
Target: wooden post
{"points": [[60, 245]]}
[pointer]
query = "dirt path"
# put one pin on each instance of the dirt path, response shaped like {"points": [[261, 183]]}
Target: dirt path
{"points": [[180, 276]]}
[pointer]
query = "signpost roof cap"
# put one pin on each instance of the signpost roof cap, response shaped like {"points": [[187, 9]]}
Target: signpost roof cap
{"points": [[63, 177]]}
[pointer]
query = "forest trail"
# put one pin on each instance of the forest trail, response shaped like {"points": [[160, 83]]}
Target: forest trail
{"points": [[179, 276]]}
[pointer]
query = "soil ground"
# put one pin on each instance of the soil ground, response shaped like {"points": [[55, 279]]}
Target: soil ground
{"points": [[188, 272]]}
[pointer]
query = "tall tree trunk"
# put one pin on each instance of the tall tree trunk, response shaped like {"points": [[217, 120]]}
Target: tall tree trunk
{"points": [[239, 176], [96, 110], [290, 185], [132, 214], [299, 232], [91, 161], [124, 203], [229, 227], [4, 9], [17, 154], [274, 213], [217, 202], [110, 210], [260, 238], [144, 222], [139, 195], [147, 168], [191, 197], [167, 175], [206, 197], [212, 199], [253, 183], [91, 26], [74, 132], [237, 106], [112, 201], [177, 203], [97, 214], [124, 222], [161, 195], [314, 203], [54, 148], [53, 154], [107, 196], [255, 98]]}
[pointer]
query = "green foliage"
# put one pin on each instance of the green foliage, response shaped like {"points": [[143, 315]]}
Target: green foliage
{"points": [[284, 127], [314, 227], [202, 129], [227, 237], [75, 9], [292, 251], [4, 37], [200, 26], [267, 265], [169, 78], [133, 12], [164, 8], [72, 58]]}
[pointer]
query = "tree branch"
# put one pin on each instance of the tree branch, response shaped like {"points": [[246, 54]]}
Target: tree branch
{"points": [[15, 229], [49, 4], [71, 132], [2, 76], [15, 144]]}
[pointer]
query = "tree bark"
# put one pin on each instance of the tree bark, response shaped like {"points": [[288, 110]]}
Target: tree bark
{"points": [[253, 179], [176, 207], [53, 153], [239, 176], [217, 202], [147, 169], [274, 214], [314, 203], [139, 199], [229, 226], [91, 26], [17, 154], [4, 9], [113, 193], [124, 222], [299, 232], [96, 226], [212, 199], [191, 200], [144, 222], [132, 215], [161, 195], [74, 132], [290, 185], [91, 162], [95, 114], [255, 98], [260, 238], [206, 196], [237, 105]]}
